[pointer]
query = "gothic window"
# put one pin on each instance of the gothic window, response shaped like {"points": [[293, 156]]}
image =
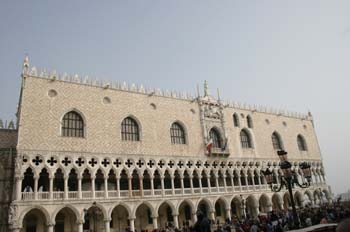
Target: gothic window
{"points": [[177, 134], [130, 130], [245, 140], [301, 143], [249, 122], [72, 125], [235, 120], [276, 141], [214, 135]]}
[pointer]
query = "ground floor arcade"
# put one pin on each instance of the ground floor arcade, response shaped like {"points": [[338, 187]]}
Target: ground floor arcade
{"points": [[141, 214]]}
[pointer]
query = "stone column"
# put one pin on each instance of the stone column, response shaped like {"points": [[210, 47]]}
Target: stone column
{"points": [[51, 187], [141, 185], [269, 207], [232, 184], [259, 180], [212, 215], [36, 179], [257, 210], [217, 182], [50, 227], [228, 213], [107, 225], [118, 186], [194, 217], [239, 182], [106, 186], [162, 184], [65, 187], [130, 186], [200, 185], [155, 223], [225, 186], [132, 224], [176, 222], [253, 181], [209, 185], [191, 184], [80, 225], [182, 184], [243, 207], [80, 187], [172, 185], [246, 180], [277, 176], [19, 188], [152, 185], [93, 187]]}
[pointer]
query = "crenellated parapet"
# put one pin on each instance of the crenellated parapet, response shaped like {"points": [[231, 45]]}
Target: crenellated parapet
{"points": [[141, 89]]}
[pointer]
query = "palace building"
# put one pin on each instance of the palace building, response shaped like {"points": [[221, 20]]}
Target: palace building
{"points": [[102, 156]]}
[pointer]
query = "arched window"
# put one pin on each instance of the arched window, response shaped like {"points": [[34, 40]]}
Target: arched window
{"points": [[301, 143], [72, 125], [235, 120], [214, 135], [130, 130], [177, 134], [276, 141], [245, 139], [249, 122]]}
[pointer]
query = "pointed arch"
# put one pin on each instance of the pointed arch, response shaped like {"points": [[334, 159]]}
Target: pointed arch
{"points": [[215, 135], [301, 143], [130, 129], [35, 207], [71, 207], [235, 118], [73, 124], [246, 139], [249, 122], [276, 141], [178, 133]]}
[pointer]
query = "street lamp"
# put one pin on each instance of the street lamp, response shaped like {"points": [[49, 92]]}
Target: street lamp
{"points": [[288, 180]]}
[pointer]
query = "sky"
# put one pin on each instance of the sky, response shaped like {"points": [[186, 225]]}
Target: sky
{"points": [[292, 55]]}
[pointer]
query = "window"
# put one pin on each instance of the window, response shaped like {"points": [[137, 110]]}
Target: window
{"points": [[214, 135], [245, 139], [276, 141], [130, 130], [235, 120], [72, 125], [249, 122], [177, 134], [301, 143]]}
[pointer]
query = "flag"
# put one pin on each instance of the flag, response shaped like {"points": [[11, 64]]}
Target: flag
{"points": [[209, 145]]}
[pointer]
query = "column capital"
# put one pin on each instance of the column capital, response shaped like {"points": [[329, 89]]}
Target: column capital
{"points": [[131, 218], [19, 177], [80, 221], [51, 224]]}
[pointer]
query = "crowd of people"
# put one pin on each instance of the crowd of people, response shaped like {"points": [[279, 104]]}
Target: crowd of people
{"points": [[275, 221]]}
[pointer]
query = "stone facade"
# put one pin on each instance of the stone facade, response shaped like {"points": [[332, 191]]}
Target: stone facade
{"points": [[100, 181]]}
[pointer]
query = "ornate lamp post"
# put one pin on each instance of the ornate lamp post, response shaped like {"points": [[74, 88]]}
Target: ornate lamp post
{"points": [[288, 180]]}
